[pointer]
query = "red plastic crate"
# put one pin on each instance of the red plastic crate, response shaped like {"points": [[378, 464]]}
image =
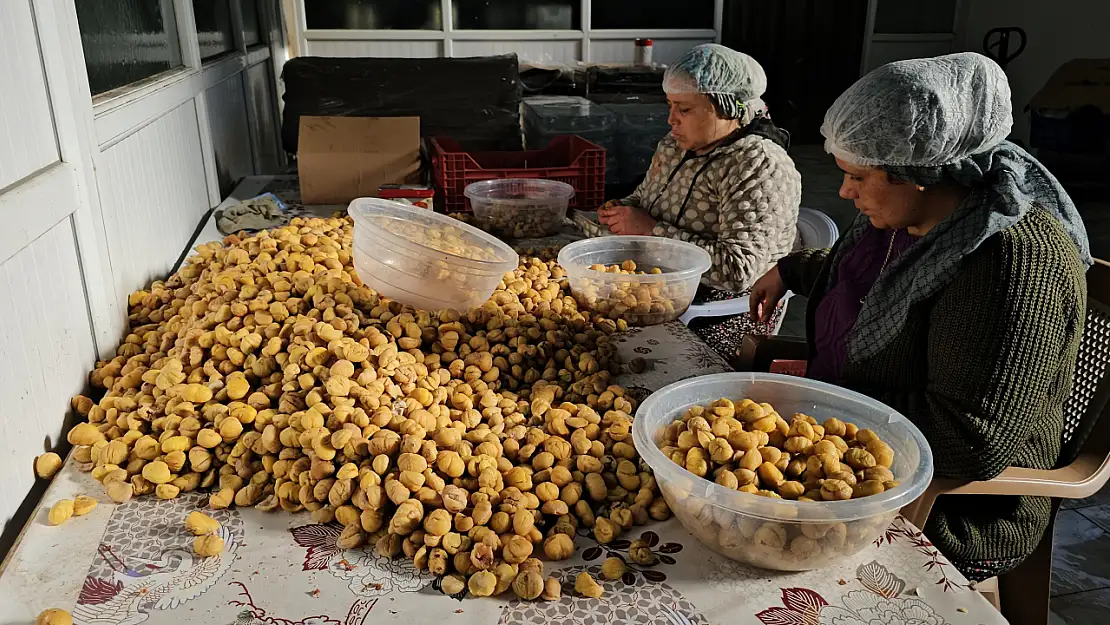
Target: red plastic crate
{"points": [[568, 158]]}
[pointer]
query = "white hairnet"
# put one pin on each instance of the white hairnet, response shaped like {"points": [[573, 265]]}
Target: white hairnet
{"points": [[711, 68], [921, 113]]}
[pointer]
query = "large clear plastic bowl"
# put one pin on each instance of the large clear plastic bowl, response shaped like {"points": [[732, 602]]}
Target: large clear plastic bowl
{"points": [[515, 208], [668, 294], [423, 259], [727, 520]]}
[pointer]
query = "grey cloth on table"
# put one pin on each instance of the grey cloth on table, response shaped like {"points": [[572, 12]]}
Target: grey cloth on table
{"points": [[255, 214]]}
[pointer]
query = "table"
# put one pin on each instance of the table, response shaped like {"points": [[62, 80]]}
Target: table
{"points": [[133, 563]]}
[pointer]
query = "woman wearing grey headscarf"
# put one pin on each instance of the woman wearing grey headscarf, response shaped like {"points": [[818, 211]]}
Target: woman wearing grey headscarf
{"points": [[721, 180], [958, 295]]}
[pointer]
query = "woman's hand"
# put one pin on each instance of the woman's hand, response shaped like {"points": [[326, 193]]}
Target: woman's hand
{"points": [[605, 210], [623, 219], [766, 294]]}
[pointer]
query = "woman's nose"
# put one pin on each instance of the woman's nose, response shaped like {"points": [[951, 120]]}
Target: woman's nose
{"points": [[848, 192], [672, 119]]}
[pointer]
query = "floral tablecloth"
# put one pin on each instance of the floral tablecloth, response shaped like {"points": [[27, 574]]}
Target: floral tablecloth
{"points": [[133, 563]]}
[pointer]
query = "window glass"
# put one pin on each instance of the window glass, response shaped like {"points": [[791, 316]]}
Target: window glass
{"points": [[649, 14], [374, 14], [900, 17], [126, 41], [252, 28], [214, 29], [517, 14]]}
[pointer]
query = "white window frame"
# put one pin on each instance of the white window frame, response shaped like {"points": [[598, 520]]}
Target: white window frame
{"points": [[448, 34], [107, 119], [119, 113]]}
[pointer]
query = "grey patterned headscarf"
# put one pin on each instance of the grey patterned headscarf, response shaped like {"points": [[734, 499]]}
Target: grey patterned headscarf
{"points": [[930, 121]]}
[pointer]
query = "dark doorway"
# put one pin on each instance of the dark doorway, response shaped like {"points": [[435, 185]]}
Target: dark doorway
{"points": [[811, 50]]}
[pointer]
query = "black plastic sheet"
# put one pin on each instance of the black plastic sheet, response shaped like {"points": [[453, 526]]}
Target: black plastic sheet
{"points": [[626, 80], [554, 81], [476, 101]]}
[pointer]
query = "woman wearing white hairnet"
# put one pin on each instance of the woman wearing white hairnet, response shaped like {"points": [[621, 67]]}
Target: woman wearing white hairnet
{"points": [[957, 297], [721, 179]]}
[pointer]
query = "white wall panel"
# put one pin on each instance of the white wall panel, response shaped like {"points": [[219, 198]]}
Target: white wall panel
{"points": [[153, 195], [227, 112], [540, 52], [668, 51], [665, 51], [46, 349], [27, 141], [613, 51], [375, 49]]}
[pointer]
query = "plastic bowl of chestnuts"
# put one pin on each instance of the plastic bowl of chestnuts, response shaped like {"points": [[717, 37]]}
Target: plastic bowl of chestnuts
{"points": [[780, 472], [424, 259], [643, 280], [516, 208]]}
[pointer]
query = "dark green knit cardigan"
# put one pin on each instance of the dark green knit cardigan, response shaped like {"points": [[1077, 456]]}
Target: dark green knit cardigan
{"points": [[983, 369]]}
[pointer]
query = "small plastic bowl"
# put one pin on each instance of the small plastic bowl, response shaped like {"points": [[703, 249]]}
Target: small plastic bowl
{"points": [[520, 208], [749, 528], [641, 300], [423, 259]]}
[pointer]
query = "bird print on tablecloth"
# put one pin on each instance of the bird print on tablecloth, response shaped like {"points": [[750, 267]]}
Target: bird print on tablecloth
{"points": [[139, 587]]}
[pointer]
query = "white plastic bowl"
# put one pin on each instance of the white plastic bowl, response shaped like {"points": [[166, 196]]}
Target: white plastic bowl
{"points": [[423, 259], [726, 520], [518, 208], [666, 295]]}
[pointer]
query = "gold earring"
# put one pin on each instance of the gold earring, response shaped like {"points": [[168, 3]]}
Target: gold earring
{"points": [[920, 188]]}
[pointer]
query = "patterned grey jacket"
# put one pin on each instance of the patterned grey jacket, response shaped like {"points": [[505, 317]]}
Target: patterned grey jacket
{"points": [[739, 202]]}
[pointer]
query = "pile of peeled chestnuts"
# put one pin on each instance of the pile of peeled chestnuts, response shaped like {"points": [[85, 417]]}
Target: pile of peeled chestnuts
{"points": [[264, 373]]}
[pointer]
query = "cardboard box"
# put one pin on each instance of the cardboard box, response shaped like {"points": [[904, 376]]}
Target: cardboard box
{"points": [[1077, 83], [343, 158]]}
